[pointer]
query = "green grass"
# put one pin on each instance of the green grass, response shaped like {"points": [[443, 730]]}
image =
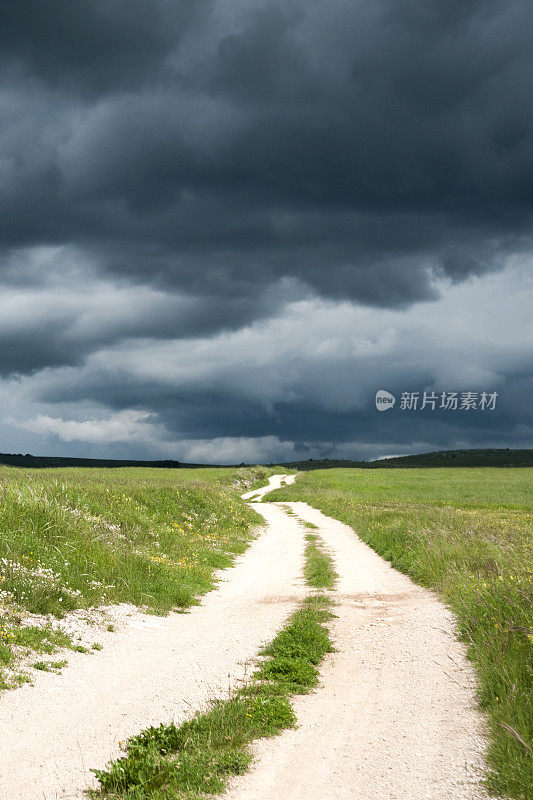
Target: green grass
{"points": [[49, 666], [319, 570], [17, 639], [467, 534], [74, 538], [194, 760]]}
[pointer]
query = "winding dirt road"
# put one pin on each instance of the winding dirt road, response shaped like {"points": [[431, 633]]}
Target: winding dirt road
{"points": [[393, 719]]}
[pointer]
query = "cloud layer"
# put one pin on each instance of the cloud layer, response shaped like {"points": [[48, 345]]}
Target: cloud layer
{"points": [[226, 224]]}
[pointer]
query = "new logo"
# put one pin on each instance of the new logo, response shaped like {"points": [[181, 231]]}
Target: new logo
{"points": [[384, 400]]}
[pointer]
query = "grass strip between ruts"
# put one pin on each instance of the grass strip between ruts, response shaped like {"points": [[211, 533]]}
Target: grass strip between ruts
{"points": [[195, 759], [319, 570]]}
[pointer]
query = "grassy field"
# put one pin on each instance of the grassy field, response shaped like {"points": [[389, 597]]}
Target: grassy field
{"points": [[75, 538], [468, 534]]}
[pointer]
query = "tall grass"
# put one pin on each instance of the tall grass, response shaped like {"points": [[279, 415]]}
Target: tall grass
{"points": [[467, 534], [74, 538]]}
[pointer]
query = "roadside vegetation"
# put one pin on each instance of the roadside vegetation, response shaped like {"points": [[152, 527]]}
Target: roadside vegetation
{"points": [[79, 538], [319, 571], [468, 534], [194, 760]]}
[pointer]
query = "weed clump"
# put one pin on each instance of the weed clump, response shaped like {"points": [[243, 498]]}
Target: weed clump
{"points": [[194, 759]]}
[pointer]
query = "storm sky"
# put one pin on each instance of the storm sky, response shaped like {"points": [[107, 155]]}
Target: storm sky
{"points": [[226, 224]]}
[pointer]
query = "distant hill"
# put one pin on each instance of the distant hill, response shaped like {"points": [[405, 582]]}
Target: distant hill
{"points": [[19, 460], [324, 463], [441, 458]]}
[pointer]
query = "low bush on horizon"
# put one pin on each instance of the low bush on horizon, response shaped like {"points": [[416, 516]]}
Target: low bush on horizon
{"points": [[468, 534], [75, 538]]}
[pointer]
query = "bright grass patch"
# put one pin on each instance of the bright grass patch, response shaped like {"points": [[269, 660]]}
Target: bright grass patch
{"points": [[468, 534]]}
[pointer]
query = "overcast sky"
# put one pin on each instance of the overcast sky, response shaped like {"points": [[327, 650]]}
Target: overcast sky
{"points": [[226, 224]]}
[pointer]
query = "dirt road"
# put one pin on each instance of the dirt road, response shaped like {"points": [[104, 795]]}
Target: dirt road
{"points": [[274, 482], [154, 670], [394, 717]]}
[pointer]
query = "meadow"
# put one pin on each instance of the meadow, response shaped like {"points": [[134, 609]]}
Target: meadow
{"points": [[79, 538], [466, 533]]}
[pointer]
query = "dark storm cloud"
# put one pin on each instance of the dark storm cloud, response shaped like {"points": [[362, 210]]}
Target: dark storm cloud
{"points": [[179, 179], [329, 432], [352, 146], [70, 313], [94, 46], [309, 375]]}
